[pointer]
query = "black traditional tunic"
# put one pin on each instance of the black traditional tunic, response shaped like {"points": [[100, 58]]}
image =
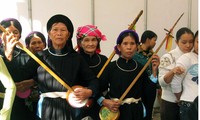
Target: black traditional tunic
{"points": [[19, 111], [95, 62], [73, 70], [117, 77]]}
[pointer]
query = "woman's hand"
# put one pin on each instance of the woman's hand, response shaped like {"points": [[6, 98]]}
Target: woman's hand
{"points": [[24, 85], [155, 64], [9, 42], [178, 70], [82, 93], [112, 105]]}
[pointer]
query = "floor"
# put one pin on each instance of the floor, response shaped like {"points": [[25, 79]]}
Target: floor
{"points": [[156, 113]]}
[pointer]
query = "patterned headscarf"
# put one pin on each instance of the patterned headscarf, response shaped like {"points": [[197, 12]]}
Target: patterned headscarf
{"points": [[89, 30]]}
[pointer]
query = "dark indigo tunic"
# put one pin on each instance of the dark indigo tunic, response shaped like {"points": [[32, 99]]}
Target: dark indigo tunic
{"points": [[95, 62], [72, 69], [117, 77]]}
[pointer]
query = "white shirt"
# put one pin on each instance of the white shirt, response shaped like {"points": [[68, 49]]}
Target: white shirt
{"points": [[188, 81], [167, 63], [9, 96]]}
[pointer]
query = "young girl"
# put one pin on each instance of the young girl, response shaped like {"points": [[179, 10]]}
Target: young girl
{"points": [[20, 111], [144, 52], [185, 85], [167, 70]]}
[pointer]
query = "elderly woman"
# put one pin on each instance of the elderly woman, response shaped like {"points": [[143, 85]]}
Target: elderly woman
{"points": [[35, 41], [88, 40], [68, 64]]}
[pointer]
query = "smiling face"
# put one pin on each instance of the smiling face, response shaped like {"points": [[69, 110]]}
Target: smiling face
{"points": [[128, 47], [59, 35], [89, 44]]}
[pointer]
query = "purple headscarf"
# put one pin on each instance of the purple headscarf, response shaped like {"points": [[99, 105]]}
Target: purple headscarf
{"points": [[124, 34]]}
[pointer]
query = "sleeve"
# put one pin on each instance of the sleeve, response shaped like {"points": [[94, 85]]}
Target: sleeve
{"points": [[89, 77], [29, 70], [149, 90], [8, 83], [153, 79], [103, 83], [164, 67], [176, 83], [26, 71]]}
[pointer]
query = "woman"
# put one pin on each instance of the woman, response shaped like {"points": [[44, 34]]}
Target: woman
{"points": [[88, 40], [118, 76], [167, 70], [9, 96], [35, 41], [20, 111], [144, 52], [185, 85], [66, 63]]}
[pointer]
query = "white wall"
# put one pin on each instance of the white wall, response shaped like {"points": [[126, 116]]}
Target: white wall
{"points": [[111, 16], [115, 16], [164, 14], [16, 9]]}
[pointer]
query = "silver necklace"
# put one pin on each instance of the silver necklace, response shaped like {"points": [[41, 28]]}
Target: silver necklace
{"points": [[93, 66], [18, 52], [136, 65], [57, 54]]}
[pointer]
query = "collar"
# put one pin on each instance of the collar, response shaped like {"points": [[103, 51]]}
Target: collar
{"points": [[147, 53], [120, 59], [177, 52], [62, 52], [87, 55]]}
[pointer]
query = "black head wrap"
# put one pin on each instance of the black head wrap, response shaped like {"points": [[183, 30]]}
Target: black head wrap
{"points": [[65, 20]]}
